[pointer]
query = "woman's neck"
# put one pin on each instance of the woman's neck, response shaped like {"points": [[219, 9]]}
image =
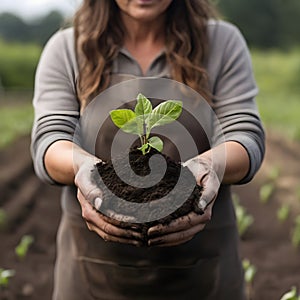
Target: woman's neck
{"points": [[144, 40], [138, 32]]}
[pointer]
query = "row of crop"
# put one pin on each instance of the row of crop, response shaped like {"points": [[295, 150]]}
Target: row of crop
{"points": [[21, 251], [15, 121], [23, 246], [245, 220]]}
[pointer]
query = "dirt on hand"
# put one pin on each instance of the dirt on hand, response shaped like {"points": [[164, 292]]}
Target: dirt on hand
{"points": [[115, 185]]}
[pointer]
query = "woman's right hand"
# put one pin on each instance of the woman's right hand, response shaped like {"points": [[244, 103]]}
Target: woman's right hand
{"points": [[90, 199]]}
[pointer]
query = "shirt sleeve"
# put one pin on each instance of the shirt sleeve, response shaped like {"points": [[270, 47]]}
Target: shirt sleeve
{"points": [[234, 92], [55, 102]]}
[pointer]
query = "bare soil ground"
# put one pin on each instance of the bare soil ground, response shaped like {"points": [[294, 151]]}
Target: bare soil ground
{"points": [[33, 208]]}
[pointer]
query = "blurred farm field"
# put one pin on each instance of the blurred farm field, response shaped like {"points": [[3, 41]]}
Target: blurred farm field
{"points": [[277, 74], [17, 69], [15, 120], [18, 64]]}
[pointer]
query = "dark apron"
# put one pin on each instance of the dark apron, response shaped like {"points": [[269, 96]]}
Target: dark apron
{"points": [[207, 267], [87, 267]]}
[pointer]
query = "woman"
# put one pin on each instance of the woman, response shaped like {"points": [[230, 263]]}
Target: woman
{"points": [[195, 256]]}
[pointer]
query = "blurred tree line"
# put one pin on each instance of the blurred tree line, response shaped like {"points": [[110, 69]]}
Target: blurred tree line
{"points": [[264, 23], [21, 44], [15, 29]]}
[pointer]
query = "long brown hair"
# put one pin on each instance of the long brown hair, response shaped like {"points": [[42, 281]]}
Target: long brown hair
{"points": [[99, 36]]}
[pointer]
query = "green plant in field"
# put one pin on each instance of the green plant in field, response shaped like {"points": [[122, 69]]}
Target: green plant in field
{"points": [[5, 275], [296, 232], [249, 273], [22, 248], [283, 212], [249, 270], [298, 192], [274, 173], [9, 128], [266, 192], [244, 220], [291, 295], [144, 118]]}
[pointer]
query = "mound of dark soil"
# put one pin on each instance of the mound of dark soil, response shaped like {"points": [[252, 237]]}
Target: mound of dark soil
{"points": [[158, 185]]}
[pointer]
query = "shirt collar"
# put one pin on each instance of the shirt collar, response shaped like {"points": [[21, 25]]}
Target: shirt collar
{"points": [[125, 63]]}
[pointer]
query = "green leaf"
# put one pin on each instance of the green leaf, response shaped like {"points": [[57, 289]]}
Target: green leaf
{"points": [[250, 273], [165, 113], [291, 295], [296, 232], [143, 109], [5, 275], [121, 116], [244, 220], [156, 143], [135, 126], [143, 106], [266, 192], [144, 118], [22, 248], [125, 119], [274, 173], [249, 270], [283, 212]]}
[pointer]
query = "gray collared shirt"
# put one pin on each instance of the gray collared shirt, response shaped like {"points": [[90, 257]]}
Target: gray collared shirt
{"points": [[57, 108]]}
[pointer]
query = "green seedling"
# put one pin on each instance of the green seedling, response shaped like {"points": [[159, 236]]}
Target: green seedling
{"points": [[296, 233], [283, 212], [144, 118], [244, 220], [298, 193], [266, 192], [274, 173], [5, 276], [249, 273], [291, 295], [22, 248]]}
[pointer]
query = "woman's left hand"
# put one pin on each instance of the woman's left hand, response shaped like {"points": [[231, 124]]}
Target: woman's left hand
{"points": [[186, 227]]}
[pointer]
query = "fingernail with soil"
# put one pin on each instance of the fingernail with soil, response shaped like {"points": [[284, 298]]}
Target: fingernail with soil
{"points": [[98, 203], [155, 242], [137, 244], [135, 235], [154, 231], [135, 227]]}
